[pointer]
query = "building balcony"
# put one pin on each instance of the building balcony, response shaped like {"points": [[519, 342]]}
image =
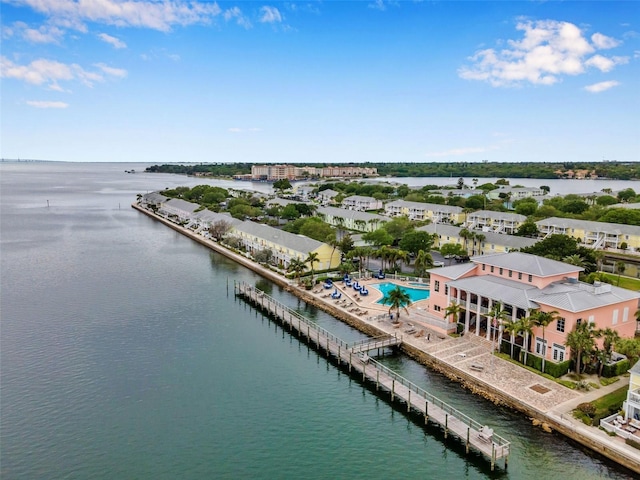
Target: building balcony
{"points": [[634, 397]]}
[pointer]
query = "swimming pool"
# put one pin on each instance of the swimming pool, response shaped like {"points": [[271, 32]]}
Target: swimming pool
{"points": [[415, 294]]}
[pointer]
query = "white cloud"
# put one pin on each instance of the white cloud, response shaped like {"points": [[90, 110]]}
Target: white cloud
{"points": [[43, 34], [605, 64], [378, 5], [113, 41], [548, 50], [158, 15], [236, 13], [51, 72], [602, 86], [45, 104], [114, 72], [270, 15], [603, 42], [243, 130]]}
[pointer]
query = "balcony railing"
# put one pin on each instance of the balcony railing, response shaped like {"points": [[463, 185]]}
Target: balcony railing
{"points": [[635, 396]]}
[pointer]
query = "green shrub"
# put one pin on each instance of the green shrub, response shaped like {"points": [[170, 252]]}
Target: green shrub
{"points": [[608, 381], [534, 362], [587, 408], [615, 369], [568, 384], [556, 370]]}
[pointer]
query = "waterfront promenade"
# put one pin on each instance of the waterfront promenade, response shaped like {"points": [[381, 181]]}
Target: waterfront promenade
{"points": [[467, 360]]}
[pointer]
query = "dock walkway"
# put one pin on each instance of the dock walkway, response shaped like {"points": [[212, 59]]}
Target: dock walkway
{"points": [[355, 356]]}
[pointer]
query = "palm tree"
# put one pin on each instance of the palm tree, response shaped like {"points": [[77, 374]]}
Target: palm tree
{"points": [[335, 243], [311, 259], [574, 259], [525, 327], [478, 237], [423, 261], [511, 327], [297, 266], [543, 319], [611, 337], [499, 315], [599, 256], [400, 256], [581, 340], [466, 234], [397, 298], [454, 310], [383, 254]]}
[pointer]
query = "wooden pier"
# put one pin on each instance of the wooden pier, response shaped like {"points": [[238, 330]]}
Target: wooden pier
{"points": [[355, 356]]}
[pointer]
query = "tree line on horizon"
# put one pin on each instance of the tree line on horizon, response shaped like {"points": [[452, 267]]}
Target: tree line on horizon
{"points": [[542, 170]]}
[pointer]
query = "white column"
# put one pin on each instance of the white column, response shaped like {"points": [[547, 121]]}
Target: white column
{"points": [[489, 320]]}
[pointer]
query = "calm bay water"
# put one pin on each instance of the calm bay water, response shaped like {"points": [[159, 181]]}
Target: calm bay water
{"points": [[125, 355]]}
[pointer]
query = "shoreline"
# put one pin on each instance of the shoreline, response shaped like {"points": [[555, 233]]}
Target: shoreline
{"points": [[557, 416]]}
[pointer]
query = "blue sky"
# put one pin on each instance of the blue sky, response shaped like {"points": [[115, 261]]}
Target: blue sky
{"points": [[310, 82]]}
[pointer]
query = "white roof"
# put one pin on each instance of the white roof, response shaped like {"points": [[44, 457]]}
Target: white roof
{"points": [[426, 206], [514, 217], [579, 296], [569, 295], [509, 292], [511, 241], [183, 205], [354, 214], [590, 226], [527, 263], [298, 243], [454, 271]]}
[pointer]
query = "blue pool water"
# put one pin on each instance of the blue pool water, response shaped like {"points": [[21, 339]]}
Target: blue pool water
{"points": [[415, 294]]}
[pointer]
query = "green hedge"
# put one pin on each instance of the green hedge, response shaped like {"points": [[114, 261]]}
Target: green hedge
{"points": [[616, 369], [556, 370], [534, 361]]}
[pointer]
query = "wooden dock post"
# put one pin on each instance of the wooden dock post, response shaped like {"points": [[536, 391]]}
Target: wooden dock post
{"points": [[426, 412], [364, 369], [467, 444], [493, 456], [339, 360], [409, 402], [446, 424], [350, 361], [377, 380], [393, 389]]}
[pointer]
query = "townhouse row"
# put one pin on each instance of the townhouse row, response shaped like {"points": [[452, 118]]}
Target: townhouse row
{"points": [[252, 237]]}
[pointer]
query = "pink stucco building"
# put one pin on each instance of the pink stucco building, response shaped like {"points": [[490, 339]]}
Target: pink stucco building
{"points": [[523, 283]]}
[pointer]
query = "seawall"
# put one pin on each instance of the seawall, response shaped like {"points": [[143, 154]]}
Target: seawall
{"points": [[473, 384]]}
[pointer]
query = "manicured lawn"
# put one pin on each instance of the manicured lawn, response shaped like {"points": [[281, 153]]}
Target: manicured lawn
{"points": [[611, 401], [629, 283]]}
